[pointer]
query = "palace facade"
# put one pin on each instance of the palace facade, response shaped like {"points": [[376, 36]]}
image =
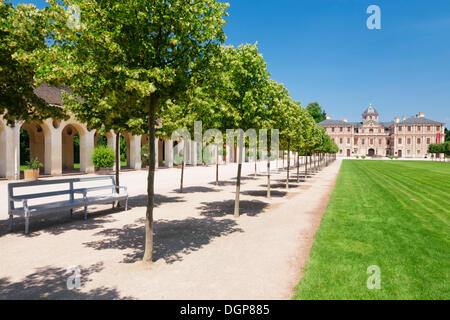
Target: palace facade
{"points": [[405, 138]]}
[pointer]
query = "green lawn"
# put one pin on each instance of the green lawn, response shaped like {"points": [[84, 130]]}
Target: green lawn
{"points": [[393, 214]]}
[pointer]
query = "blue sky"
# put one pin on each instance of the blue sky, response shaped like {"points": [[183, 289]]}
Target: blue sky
{"points": [[321, 50]]}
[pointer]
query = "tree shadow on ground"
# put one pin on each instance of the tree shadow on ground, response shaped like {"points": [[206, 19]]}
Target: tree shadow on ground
{"points": [[222, 208], [291, 180], [243, 178], [172, 239], [225, 183], [159, 199], [51, 283], [281, 185], [60, 222], [263, 193], [196, 190]]}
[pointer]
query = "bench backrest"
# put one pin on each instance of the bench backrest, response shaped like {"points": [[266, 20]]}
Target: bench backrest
{"points": [[70, 190]]}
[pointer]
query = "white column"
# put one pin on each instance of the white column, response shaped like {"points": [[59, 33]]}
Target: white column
{"points": [[135, 152], [53, 149], [86, 150], [111, 142], [9, 165], [168, 153], [156, 153], [228, 155], [194, 155]]}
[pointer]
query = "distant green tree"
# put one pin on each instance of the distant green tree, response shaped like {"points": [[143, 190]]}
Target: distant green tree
{"points": [[447, 134], [316, 111]]}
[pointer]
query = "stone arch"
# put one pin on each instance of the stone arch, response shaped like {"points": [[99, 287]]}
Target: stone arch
{"points": [[68, 131], [38, 133], [110, 139], [126, 137], [161, 151]]}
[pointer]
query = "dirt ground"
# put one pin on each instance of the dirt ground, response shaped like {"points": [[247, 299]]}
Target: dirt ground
{"points": [[201, 251]]}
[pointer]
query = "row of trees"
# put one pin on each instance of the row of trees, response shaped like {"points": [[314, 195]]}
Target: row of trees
{"points": [[149, 67], [439, 148]]}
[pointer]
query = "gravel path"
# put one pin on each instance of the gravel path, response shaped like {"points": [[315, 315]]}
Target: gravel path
{"points": [[201, 250]]}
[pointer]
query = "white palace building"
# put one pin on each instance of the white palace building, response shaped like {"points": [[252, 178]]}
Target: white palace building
{"points": [[405, 138]]}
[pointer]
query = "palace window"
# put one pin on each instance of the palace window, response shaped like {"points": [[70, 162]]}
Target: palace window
{"points": [[379, 141], [438, 128], [371, 141], [428, 140], [379, 130], [399, 140], [348, 129], [340, 140], [362, 141], [400, 128], [409, 128], [428, 128], [419, 128], [332, 129], [341, 129], [371, 131], [418, 140], [408, 141], [356, 140], [348, 140]]}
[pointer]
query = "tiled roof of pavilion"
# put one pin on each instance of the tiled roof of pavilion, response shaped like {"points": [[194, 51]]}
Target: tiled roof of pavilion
{"points": [[419, 120], [52, 95], [330, 122]]}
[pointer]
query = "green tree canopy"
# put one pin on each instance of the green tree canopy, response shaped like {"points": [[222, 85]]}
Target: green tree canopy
{"points": [[22, 34], [316, 111]]}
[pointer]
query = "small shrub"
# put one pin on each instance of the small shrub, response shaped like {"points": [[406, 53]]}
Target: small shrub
{"points": [[34, 164], [363, 157], [103, 157], [249, 153], [357, 157]]}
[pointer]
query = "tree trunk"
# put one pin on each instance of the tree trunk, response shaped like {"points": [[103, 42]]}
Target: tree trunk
{"points": [[238, 180], [182, 176], [289, 162], [306, 166], [118, 166], [268, 178], [298, 166], [238, 190], [182, 167], [283, 158], [148, 253], [217, 166]]}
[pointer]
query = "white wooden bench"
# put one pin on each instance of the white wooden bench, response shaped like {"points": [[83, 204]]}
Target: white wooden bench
{"points": [[65, 187]]}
